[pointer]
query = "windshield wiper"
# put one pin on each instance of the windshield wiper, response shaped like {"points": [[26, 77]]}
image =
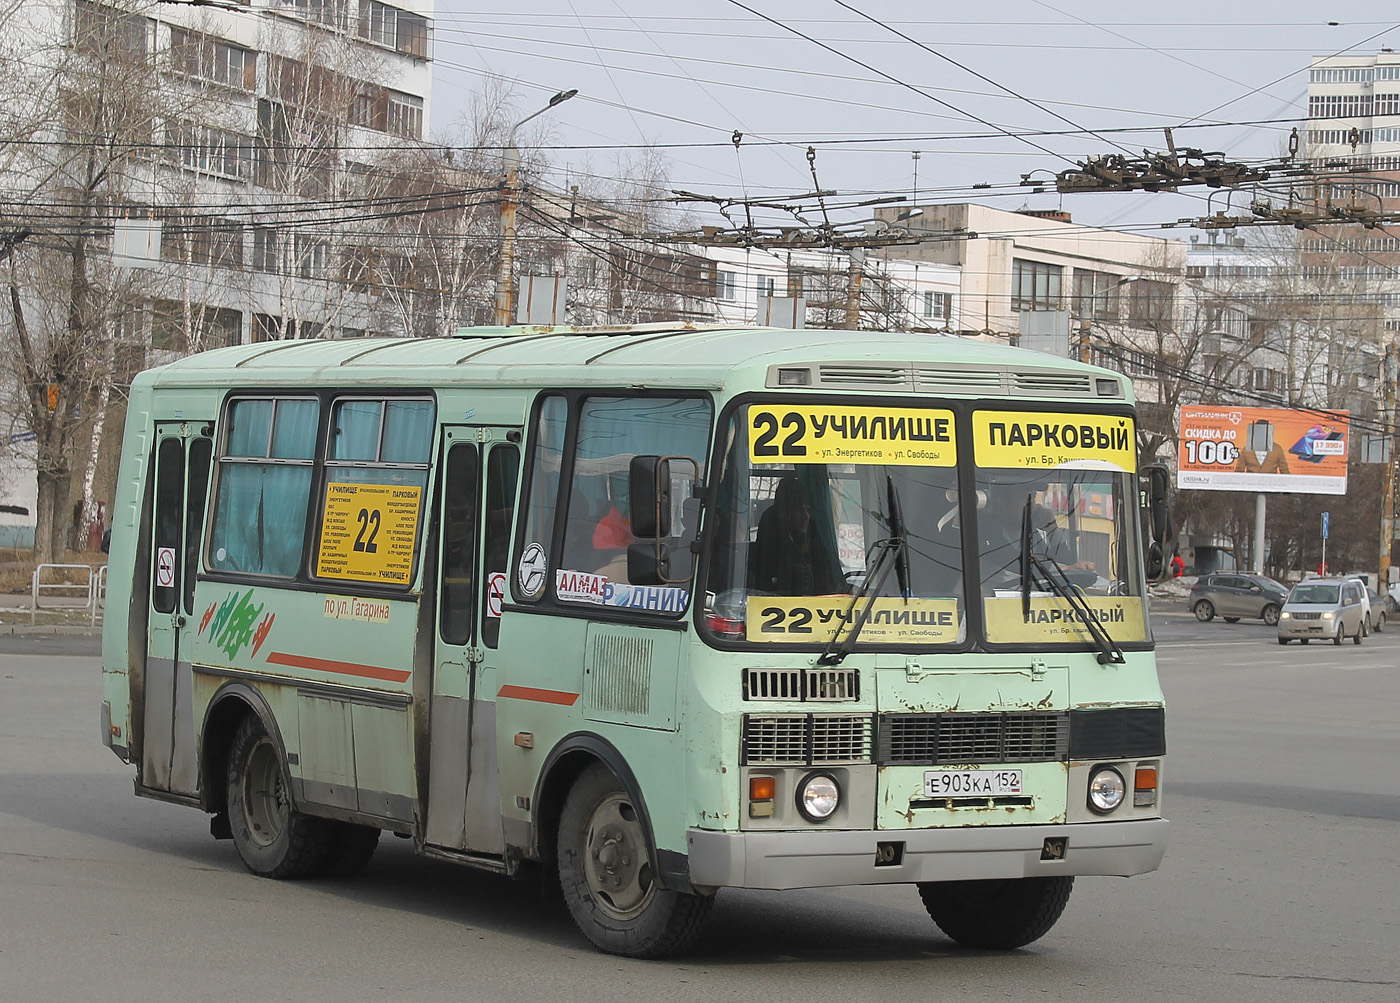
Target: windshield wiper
{"points": [[1053, 574], [893, 552]]}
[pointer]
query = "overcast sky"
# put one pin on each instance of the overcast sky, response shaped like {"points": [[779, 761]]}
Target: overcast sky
{"points": [[685, 74]]}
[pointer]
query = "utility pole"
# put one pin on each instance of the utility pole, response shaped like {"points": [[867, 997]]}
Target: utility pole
{"points": [[1388, 474], [854, 273], [505, 274]]}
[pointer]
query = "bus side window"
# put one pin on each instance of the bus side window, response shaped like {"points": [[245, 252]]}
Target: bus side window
{"points": [[201, 452], [170, 487], [502, 470], [542, 495], [459, 532]]}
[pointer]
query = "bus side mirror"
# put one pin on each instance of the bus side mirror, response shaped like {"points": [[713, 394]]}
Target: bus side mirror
{"points": [[649, 495], [1159, 504], [649, 563]]}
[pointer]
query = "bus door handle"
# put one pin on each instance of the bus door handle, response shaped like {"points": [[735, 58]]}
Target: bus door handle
{"points": [[177, 620]]}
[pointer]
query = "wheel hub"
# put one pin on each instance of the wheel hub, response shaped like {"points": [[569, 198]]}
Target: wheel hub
{"points": [[617, 869]]}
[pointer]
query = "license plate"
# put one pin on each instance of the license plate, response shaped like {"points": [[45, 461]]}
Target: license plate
{"points": [[971, 783]]}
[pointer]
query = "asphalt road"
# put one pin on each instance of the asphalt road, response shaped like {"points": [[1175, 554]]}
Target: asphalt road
{"points": [[1280, 882]]}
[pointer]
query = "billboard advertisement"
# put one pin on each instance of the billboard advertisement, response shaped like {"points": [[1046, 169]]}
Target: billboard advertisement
{"points": [[1262, 449]]}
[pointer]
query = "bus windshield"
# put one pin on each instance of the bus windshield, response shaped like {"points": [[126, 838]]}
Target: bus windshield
{"points": [[794, 536]]}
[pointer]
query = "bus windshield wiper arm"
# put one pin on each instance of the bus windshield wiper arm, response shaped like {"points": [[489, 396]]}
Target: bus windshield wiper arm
{"points": [[839, 647], [895, 545], [1053, 574]]}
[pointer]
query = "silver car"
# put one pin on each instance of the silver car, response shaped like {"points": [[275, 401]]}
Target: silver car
{"points": [[1323, 608]]}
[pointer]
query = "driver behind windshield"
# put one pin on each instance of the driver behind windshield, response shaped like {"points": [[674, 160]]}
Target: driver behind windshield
{"points": [[790, 556], [999, 537]]}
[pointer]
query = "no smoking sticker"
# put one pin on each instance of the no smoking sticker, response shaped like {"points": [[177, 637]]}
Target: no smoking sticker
{"points": [[165, 567]]}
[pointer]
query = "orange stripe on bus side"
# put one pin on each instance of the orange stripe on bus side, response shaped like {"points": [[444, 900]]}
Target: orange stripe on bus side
{"points": [[539, 696], [340, 668]]}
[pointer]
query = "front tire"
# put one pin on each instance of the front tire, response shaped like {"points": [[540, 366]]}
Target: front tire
{"points": [[1204, 610], [1359, 634], [274, 840], [1270, 615], [1283, 640], [1232, 619], [998, 914], [607, 874]]}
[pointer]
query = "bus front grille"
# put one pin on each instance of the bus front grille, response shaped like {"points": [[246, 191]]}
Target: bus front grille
{"points": [[955, 739], [806, 739]]}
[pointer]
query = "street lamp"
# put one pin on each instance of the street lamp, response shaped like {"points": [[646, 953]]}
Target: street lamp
{"points": [[505, 278]]}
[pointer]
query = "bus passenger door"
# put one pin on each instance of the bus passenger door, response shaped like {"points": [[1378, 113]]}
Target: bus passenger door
{"points": [[480, 466], [183, 454]]}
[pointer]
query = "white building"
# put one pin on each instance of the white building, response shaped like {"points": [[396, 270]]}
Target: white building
{"points": [[231, 143]]}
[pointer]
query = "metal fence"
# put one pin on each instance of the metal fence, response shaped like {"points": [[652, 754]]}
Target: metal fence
{"points": [[69, 587]]}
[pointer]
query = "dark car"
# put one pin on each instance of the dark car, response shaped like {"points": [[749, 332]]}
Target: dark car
{"points": [[1235, 595]]}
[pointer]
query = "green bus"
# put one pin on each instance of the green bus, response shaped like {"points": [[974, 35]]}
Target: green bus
{"points": [[660, 609]]}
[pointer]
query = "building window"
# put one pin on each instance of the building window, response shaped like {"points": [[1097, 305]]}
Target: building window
{"points": [[404, 116], [763, 286], [107, 33], [208, 150], [313, 255], [335, 13], [265, 249], [1095, 295], [1265, 379], [1035, 285], [1150, 303], [212, 60], [203, 240], [394, 28], [937, 306], [724, 285]]}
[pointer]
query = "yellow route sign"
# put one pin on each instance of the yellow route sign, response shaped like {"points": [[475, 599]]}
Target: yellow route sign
{"points": [[808, 619], [369, 532], [808, 433], [1044, 439], [1052, 619]]}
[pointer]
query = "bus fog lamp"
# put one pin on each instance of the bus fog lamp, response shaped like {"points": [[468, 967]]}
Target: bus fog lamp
{"points": [[1106, 790], [818, 797]]}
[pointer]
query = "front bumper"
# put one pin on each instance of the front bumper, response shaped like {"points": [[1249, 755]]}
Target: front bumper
{"points": [[816, 859], [1325, 629]]}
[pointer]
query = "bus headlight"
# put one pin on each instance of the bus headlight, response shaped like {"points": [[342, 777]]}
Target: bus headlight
{"points": [[818, 797], [1106, 790]]}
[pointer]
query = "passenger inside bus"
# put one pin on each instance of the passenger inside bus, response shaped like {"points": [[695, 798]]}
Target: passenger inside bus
{"points": [[789, 556]]}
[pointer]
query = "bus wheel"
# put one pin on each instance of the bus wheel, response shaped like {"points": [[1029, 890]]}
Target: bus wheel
{"points": [[998, 914], [350, 848], [608, 879], [273, 840]]}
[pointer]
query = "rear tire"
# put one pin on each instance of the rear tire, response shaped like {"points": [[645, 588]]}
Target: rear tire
{"points": [[350, 849], [1232, 619], [274, 840], [1304, 640], [607, 874], [1204, 610], [1270, 615], [997, 915]]}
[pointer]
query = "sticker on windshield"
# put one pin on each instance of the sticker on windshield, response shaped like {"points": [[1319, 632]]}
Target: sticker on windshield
{"points": [[805, 433], [1041, 440], [1051, 619], [530, 576], [814, 620]]}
